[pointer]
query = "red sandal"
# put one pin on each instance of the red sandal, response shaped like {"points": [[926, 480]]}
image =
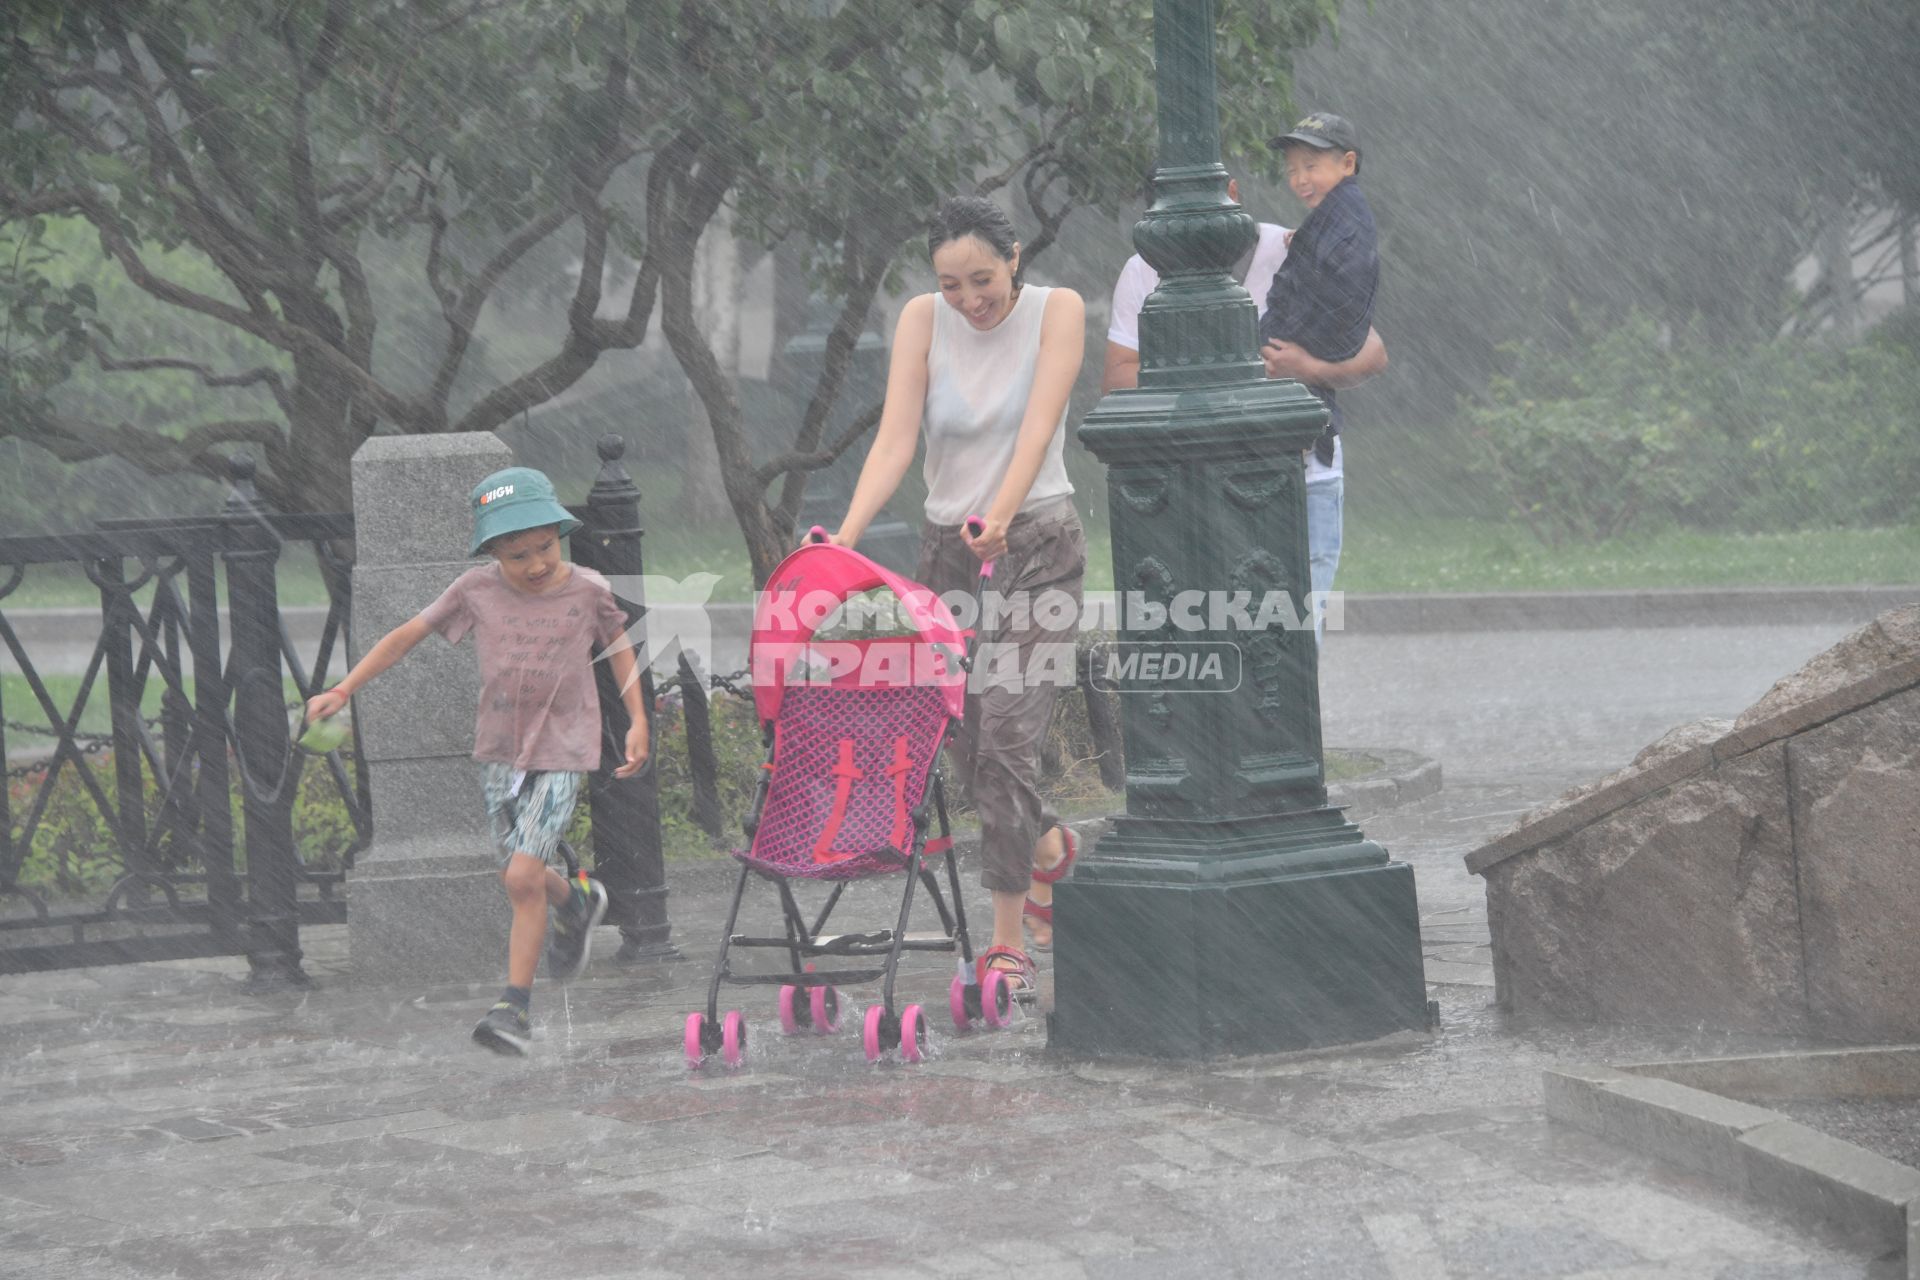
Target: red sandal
{"points": [[1043, 911], [1024, 976], [1058, 871]]}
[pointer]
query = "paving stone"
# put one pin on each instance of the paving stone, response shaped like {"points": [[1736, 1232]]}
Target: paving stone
{"points": [[413, 1155]]}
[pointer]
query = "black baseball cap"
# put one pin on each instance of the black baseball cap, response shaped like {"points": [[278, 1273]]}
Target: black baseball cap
{"points": [[1324, 130]]}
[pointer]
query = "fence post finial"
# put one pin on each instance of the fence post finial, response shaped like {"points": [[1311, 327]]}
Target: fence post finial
{"points": [[242, 495]]}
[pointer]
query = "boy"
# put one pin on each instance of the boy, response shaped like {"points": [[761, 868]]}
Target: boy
{"points": [[536, 620], [1322, 296]]}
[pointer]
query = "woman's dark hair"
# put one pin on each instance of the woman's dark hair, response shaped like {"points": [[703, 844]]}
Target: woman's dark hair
{"points": [[977, 216]]}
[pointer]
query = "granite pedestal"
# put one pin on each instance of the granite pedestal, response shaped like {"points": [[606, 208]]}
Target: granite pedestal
{"points": [[427, 904]]}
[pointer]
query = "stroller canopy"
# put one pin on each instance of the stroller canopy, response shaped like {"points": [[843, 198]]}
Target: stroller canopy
{"points": [[806, 589]]}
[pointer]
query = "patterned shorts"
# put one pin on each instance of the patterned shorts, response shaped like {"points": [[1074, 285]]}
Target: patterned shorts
{"points": [[531, 818]]}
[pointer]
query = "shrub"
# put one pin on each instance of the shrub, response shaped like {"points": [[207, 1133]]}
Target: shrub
{"points": [[74, 853], [1636, 427]]}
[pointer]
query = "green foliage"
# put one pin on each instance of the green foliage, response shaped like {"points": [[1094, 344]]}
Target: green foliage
{"points": [[1817, 436], [299, 178], [1582, 447], [738, 752], [1539, 167], [46, 324], [1637, 428], [74, 854]]}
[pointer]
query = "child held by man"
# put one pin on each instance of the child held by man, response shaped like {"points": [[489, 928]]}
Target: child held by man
{"points": [[536, 620], [1322, 296]]}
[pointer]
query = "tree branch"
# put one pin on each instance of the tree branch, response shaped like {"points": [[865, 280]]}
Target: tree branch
{"points": [[867, 266], [796, 461], [465, 312], [236, 250], [326, 49], [264, 375], [207, 115], [288, 337], [988, 185], [78, 440]]}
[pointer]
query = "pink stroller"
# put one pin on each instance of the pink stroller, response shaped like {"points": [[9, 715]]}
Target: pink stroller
{"points": [[850, 788]]}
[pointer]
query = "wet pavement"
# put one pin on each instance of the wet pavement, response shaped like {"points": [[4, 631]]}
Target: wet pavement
{"points": [[159, 1120]]}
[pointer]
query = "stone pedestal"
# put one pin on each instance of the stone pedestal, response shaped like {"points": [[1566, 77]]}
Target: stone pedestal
{"points": [[427, 904]]}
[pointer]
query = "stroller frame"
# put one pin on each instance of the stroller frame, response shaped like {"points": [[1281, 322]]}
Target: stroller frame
{"points": [[805, 941], [809, 994]]}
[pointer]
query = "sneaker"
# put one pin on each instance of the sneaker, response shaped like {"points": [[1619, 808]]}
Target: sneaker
{"points": [[504, 1030], [570, 934]]}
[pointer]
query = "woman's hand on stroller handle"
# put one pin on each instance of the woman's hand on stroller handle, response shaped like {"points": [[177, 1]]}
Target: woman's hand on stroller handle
{"points": [[988, 546]]}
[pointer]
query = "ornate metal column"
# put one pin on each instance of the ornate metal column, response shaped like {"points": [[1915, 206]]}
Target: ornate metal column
{"points": [[260, 736], [1229, 910], [627, 853]]}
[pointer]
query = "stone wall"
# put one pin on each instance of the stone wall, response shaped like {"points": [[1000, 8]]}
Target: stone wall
{"points": [[1760, 875]]}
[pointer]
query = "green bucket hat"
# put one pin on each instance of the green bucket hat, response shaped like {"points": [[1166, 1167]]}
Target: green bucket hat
{"points": [[512, 500]]}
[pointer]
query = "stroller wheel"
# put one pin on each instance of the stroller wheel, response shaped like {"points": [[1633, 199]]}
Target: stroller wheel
{"points": [[957, 1004], [795, 1011], [733, 1038], [823, 1009], [913, 1034], [996, 999], [696, 1039], [878, 1033]]}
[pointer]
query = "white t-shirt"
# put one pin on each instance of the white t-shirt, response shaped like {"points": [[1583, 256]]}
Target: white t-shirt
{"points": [[1137, 280], [978, 384]]}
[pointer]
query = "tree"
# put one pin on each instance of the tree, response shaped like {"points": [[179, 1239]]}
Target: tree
{"points": [[1542, 168], [274, 142], [287, 143]]}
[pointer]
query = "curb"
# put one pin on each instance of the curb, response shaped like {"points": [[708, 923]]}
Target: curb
{"points": [[1405, 777], [1598, 610], [1871, 1201]]}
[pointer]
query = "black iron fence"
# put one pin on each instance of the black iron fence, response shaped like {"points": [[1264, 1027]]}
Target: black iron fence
{"points": [[197, 733]]}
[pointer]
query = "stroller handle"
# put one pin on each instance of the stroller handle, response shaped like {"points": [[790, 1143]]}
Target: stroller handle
{"points": [[976, 525]]}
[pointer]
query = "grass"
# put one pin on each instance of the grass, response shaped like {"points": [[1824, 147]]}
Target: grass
{"points": [[1469, 555], [1431, 554], [65, 586], [1479, 555], [21, 707]]}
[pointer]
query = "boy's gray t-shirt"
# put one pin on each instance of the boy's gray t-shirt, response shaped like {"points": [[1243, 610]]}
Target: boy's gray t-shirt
{"points": [[539, 708]]}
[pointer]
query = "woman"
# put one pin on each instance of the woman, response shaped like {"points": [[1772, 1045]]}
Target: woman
{"points": [[986, 366]]}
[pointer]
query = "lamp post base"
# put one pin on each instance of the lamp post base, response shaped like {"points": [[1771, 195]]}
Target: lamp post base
{"points": [[1239, 952]]}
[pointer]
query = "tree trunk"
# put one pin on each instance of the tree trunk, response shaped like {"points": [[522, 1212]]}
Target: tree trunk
{"points": [[792, 299], [1836, 264], [716, 309], [1909, 267], [321, 440], [715, 387]]}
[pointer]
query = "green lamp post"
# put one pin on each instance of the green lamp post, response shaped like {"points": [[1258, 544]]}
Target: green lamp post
{"points": [[1229, 909]]}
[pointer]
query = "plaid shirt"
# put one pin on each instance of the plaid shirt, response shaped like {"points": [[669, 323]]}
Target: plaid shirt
{"points": [[1322, 296]]}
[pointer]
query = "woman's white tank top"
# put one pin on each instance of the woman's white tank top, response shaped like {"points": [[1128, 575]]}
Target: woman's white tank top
{"points": [[978, 383]]}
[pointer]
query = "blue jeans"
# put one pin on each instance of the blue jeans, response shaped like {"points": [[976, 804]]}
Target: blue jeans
{"points": [[1326, 495]]}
